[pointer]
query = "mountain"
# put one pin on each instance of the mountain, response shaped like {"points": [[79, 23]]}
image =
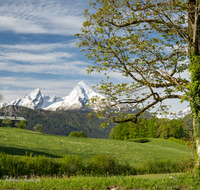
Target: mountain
{"points": [[60, 122], [177, 114], [76, 100]]}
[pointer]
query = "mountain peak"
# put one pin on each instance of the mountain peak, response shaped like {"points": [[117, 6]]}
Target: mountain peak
{"points": [[85, 86], [77, 99], [34, 94]]}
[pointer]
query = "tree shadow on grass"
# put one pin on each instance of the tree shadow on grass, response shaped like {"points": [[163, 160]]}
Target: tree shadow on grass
{"points": [[22, 152]]}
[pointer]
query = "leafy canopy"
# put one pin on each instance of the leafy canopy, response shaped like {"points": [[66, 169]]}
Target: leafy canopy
{"points": [[143, 40]]}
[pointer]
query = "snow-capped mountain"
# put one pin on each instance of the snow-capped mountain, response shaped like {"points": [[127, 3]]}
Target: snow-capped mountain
{"points": [[77, 99], [177, 114]]}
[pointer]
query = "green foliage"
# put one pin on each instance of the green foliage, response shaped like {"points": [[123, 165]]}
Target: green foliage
{"points": [[23, 124], [173, 128], [38, 128], [16, 124], [141, 140], [109, 165], [77, 134], [163, 166], [180, 141], [11, 165], [132, 130], [71, 165], [7, 122], [41, 165], [152, 127], [135, 39], [63, 122], [188, 121]]}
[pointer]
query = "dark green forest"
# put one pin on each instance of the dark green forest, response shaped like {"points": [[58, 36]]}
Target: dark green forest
{"points": [[60, 122]]}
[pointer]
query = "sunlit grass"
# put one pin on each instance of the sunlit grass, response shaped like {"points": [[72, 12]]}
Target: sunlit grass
{"points": [[17, 141], [161, 182]]}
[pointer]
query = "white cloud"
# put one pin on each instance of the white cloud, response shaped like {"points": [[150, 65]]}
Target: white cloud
{"points": [[35, 58], [37, 47], [41, 17], [70, 68]]}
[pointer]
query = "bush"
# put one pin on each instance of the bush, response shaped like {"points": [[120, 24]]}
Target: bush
{"points": [[100, 165], [42, 166], [7, 122], [163, 166], [108, 165], [142, 140], [11, 165], [177, 140], [22, 124], [71, 165], [77, 134], [38, 128]]}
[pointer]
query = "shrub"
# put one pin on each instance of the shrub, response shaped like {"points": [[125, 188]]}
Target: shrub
{"points": [[100, 165], [22, 124], [42, 165], [71, 165], [77, 134], [141, 140], [7, 122], [108, 165], [177, 140], [163, 166], [11, 165], [38, 128]]}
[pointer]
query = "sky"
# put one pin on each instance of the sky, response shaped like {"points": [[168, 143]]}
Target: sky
{"points": [[37, 49]]}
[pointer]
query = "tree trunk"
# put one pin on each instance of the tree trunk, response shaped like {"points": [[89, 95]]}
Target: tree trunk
{"points": [[194, 56]]}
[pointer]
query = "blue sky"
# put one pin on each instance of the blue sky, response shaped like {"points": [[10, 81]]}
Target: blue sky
{"points": [[37, 49]]}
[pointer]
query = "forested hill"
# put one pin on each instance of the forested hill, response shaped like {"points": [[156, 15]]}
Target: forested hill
{"points": [[60, 122], [188, 120]]}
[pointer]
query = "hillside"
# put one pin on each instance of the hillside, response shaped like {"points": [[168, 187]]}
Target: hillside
{"points": [[16, 141], [188, 120], [60, 122]]}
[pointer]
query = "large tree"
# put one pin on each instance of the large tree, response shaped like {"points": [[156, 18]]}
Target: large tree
{"points": [[152, 42]]}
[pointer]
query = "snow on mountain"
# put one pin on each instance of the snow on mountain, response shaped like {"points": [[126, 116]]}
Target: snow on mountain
{"points": [[77, 99], [177, 114], [33, 100]]}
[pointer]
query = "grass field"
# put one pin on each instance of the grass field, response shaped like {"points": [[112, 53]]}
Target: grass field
{"points": [[156, 182], [17, 141]]}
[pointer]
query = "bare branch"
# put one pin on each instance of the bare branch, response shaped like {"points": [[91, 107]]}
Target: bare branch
{"points": [[178, 29], [175, 82]]}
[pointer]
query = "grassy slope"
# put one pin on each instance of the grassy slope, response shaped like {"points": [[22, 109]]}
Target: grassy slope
{"points": [[17, 141]]}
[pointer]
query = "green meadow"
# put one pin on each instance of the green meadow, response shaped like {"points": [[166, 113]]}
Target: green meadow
{"points": [[147, 182], [18, 142]]}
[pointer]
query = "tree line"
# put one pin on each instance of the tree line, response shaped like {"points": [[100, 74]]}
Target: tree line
{"points": [[153, 128]]}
